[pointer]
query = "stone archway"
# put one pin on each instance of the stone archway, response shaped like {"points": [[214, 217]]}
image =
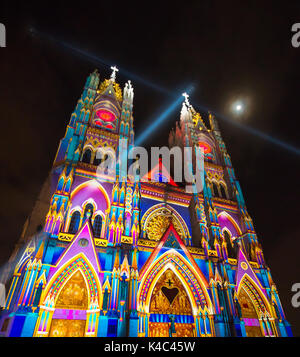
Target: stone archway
{"points": [[69, 317], [249, 315], [255, 310], [73, 293], [157, 219]]}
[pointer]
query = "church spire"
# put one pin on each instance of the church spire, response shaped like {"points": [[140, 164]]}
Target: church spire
{"points": [[128, 92], [186, 99], [113, 74], [186, 113]]}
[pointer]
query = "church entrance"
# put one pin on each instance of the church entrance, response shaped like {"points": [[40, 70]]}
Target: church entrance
{"points": [[69, 318], [170, 308], [162, 329], [249, 315]]}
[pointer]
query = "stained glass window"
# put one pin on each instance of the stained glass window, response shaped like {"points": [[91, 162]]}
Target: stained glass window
{"points": [[97, 225], [74, 224], [88, 209], [87, 156]]}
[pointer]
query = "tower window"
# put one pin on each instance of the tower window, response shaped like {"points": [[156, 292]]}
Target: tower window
{"points": [[88, 211], [97, 225], [230, 246], [215, 189], [107, 163], [106, 158], [87, 156], [74, 224], [100, 157], [227, 237], [223, 192], [97, 161], [205, 147]]}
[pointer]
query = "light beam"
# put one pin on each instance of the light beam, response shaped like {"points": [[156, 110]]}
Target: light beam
{"points": [[157, 122], [98, 61]]}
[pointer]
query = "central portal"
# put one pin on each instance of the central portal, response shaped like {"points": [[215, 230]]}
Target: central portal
{"points": [[170, 308]]}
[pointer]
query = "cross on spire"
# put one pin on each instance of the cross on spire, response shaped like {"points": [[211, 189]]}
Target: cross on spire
{"points": [[114, 71], [186, 98]]}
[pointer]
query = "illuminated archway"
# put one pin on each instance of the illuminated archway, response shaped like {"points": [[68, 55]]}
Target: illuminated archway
{"points": [[156, 220], [169, 297], [74, 296], [228, 217], [249, 314], [192, 283], [93, 186], [74, 290], [255, 310], [82, 194]]}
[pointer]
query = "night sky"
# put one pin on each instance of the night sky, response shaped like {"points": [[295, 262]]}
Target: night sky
{"points": [[226, 50]]}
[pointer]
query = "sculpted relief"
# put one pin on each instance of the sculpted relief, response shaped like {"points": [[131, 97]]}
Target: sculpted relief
{"points": [[74, 294]]}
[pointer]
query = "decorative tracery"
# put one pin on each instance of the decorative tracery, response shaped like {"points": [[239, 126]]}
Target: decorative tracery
{"points": [[158, 218], [199, 295], [116, 86], [159, 222]]}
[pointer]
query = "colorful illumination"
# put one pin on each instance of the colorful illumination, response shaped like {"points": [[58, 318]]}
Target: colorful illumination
{"points": [[105, 115], [155, 267], [205, 147]]}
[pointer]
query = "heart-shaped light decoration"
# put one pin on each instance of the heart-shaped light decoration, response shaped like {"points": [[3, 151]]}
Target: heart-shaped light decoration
{"points": [[170, 293]]}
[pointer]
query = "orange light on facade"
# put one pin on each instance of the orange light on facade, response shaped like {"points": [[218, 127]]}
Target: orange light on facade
{"points": [[206, 148]]}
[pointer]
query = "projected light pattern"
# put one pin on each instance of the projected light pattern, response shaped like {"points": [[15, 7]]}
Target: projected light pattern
{"points": [[95, 59], [105, 115], [206, 148], [117, 246]]}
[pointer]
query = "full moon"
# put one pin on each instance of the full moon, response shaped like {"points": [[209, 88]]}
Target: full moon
{"points": [[237, 107]]}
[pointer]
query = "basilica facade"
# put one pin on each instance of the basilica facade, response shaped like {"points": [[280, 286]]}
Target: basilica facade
{"points": [[136, 257]]}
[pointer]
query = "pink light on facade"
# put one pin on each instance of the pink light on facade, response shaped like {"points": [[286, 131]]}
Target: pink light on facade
{"points": [[206, 148], [105, 116]]}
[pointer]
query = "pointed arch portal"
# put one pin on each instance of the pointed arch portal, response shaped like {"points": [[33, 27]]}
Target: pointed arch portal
{"points": [[73, 296], [254, 309], [157, 219], [71, 301], [249, 315], [170, 300]]}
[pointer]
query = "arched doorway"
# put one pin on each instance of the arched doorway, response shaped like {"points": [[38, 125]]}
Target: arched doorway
{"points": [[72, 293], [197, 313], [69, 318], [170, 308], [249, 315]]}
